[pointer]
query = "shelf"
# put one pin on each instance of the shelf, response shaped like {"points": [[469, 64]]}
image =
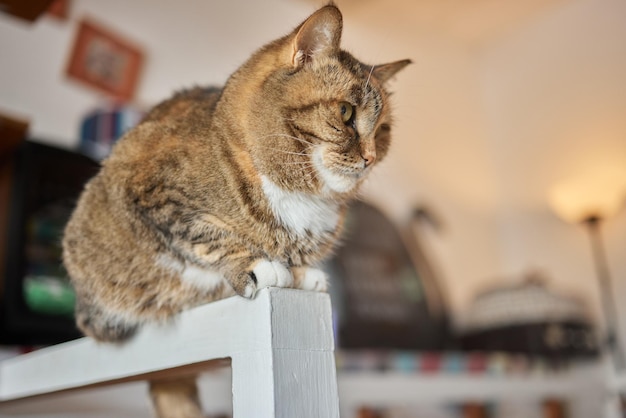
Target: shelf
{"points": [[582, 383]]}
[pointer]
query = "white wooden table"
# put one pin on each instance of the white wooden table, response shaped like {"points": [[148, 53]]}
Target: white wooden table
{"points": [[279, 346]]}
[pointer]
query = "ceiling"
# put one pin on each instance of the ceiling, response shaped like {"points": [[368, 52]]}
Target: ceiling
{"points": [[472, 22]]}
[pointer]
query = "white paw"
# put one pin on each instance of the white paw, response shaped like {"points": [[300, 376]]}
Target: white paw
{"points": [[249, 291], [272, 273], [314, 279]]}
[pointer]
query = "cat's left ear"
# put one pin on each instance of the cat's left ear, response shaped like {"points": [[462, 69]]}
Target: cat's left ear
{"points": [[319, 35], [385, 71]]}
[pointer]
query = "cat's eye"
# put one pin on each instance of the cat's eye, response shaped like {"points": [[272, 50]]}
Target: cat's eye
{"points": [[347, 112]]}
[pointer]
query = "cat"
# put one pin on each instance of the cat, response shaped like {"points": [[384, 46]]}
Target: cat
{"points": [[223, 191]]}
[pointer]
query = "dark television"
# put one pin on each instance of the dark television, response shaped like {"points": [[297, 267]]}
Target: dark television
{"points": [[41, 185]]}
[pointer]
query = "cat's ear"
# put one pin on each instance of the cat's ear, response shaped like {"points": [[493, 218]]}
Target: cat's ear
{"points": [[385, 71], [319, 35]]}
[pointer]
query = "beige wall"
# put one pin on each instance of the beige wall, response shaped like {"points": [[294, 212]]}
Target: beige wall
{"points": [[555, 96]]}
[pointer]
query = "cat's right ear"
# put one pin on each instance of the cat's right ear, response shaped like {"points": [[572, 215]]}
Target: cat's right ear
{"points": [[319, 35]]}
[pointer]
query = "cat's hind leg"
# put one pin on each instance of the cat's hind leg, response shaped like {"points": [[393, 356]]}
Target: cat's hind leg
{"points": [[176, 398]]}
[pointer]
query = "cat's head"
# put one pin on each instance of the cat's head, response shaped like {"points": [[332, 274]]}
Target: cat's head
{"points": [[316, 119]]}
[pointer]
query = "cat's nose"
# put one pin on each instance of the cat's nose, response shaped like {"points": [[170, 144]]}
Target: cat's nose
{"points": [[369, 158]]}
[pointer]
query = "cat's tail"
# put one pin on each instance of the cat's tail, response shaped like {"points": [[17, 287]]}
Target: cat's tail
{"points": [[176, 398]]}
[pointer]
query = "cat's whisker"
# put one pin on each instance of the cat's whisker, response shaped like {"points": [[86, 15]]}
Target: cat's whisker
{"points": [[304, 141], [303, 163], [367, 82], [286, 136], [304, 154], [308, 145]]}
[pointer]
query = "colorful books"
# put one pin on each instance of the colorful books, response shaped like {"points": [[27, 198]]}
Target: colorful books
{"points": [[101, 128]]}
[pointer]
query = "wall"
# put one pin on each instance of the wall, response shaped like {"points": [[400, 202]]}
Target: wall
{"points": [[555, 98], [200, 43]]}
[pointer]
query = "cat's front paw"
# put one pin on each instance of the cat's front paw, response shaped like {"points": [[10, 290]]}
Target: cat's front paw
{"points": [[267, 274], [308, 278]]}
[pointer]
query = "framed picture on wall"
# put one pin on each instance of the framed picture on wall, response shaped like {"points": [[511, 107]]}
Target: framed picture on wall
{"points": [[104, 60], [59, 9]]}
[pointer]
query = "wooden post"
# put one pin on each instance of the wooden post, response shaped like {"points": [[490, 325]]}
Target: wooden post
{"points": [[280, 345], [295, 376]]}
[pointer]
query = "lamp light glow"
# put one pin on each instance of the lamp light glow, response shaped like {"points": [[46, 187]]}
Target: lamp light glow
{"points": [[593, 195]]}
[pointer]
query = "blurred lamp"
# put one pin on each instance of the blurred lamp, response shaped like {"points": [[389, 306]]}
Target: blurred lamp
{"points": [[595, 196], [589, 200]]}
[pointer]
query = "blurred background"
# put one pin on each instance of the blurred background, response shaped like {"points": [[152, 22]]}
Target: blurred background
{"points": [[502, 194]]}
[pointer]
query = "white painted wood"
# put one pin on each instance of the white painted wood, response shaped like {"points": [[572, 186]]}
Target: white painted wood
{"points": [[296, 378], [124, 400], [280, 343], [297, 386]]}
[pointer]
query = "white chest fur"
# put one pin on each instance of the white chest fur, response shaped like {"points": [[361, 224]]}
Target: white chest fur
{"points": [[301, 212]]}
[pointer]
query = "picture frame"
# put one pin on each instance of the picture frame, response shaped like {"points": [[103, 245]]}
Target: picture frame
{"points": [[59, 9], [105, 61]]}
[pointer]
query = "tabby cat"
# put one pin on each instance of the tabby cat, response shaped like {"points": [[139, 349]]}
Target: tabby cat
{"points": [[220, 192]]}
